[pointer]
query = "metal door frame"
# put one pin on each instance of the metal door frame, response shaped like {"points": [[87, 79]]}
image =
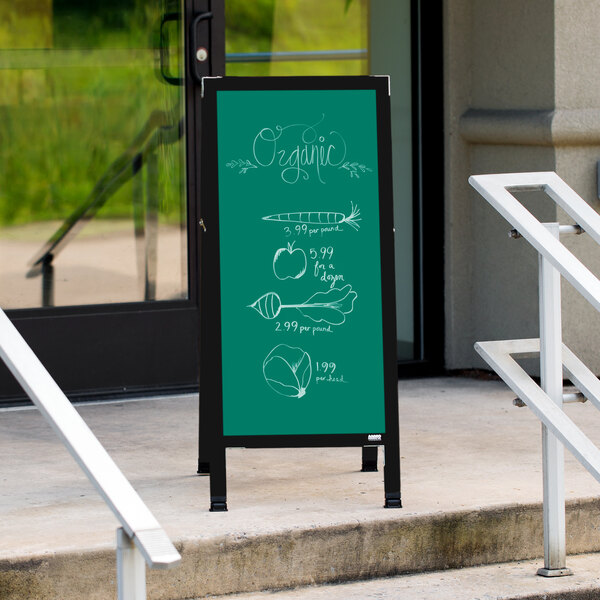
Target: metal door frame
{"points": [[152, 347]]}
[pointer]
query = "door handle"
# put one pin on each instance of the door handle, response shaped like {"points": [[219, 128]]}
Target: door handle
{"points": [[200, 59], [165, 67]]}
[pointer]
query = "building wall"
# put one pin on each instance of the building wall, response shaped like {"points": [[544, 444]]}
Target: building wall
{"points": [[576, 130], [520, 95]]}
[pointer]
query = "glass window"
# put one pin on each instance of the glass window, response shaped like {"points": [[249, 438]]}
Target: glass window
{"points": [[342, 37], [286, 37], [92, 179]]}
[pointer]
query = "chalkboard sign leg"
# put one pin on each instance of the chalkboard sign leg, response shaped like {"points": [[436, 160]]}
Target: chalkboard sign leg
{"points": [[204, 440], [391, 476], [218, 481], [369, 459]]}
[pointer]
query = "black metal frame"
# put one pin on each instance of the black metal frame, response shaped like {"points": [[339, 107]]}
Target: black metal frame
{"points": [[428, 188], [152, 346], [212, 441]]}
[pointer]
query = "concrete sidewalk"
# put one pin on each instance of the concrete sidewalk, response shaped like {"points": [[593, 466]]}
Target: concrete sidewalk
{"points": [[471, 493], [505, 581]]}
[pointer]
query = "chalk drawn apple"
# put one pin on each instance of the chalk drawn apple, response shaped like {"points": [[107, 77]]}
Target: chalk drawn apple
{"points": [[289, 263]]}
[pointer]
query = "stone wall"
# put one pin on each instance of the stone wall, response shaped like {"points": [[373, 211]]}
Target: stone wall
{"points": [[521, 94]]}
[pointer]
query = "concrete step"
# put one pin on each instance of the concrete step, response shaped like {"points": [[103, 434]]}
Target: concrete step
{"points": [[471, 489], [354, 551], [507, 581]]}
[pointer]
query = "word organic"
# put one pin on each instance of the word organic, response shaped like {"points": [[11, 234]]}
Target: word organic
{"points": [[300, 152]]}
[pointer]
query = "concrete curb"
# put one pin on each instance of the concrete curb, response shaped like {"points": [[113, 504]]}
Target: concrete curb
{"points": [[500, 581], [348, 552]]}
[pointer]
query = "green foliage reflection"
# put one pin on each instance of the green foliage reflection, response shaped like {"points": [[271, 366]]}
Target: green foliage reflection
{"points": [[75, 90], [79, 80], [296, 26]]}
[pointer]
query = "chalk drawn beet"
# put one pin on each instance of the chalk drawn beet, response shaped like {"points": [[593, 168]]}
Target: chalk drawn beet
{"points": [[288, 370], [331, 306]]}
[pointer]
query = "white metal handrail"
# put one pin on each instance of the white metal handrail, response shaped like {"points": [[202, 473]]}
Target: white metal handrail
{"points": [[546, 401], [496, 189], [140, 536]]}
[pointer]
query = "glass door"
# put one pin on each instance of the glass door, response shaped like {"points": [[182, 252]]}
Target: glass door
{"points": [[97, 232], [349, 37]]}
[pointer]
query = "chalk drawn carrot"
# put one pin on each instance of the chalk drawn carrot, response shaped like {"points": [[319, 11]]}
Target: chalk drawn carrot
{"points": [[319, 218], [331, 306]]}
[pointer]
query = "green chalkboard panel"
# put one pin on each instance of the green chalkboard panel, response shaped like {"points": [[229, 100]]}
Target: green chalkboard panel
{"points": [[300, 262], [297, 302]]}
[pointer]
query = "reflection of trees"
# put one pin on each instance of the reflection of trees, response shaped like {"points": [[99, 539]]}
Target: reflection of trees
{"points": [[265, 26], [72, 99]]}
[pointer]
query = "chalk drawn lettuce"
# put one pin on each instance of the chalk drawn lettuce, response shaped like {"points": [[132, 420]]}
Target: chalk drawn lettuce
{"points": [[288, 370]]}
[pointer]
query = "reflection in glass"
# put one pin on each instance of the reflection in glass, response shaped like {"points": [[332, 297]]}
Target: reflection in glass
{"points": [[92, 179], [285, 37], [342, 37]]}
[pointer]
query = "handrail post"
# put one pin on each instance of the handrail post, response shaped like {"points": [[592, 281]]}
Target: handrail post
{"points": [[552, 383], [48, 281], [546, 403], [131, 569]]}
